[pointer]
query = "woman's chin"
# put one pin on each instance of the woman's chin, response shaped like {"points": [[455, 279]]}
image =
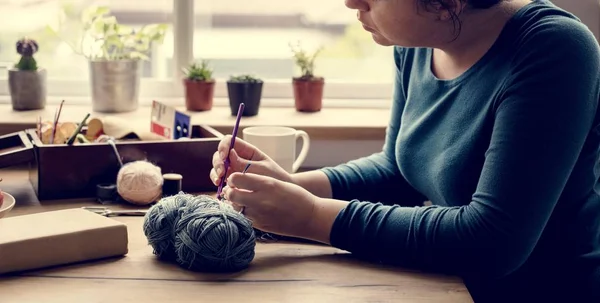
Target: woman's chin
{"points": [[381, 40]]}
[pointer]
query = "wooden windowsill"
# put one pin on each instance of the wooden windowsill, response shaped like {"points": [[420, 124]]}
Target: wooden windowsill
{"points": [[328, 124]]}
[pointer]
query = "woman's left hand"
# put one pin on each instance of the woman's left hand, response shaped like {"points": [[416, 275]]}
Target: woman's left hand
{"points": [[273, 206]]}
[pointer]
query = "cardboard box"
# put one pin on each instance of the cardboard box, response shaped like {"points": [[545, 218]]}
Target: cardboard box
{"points": [[59, 238]]}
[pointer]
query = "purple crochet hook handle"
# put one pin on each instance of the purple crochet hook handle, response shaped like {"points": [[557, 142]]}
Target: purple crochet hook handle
{"points": [[233, 136]]}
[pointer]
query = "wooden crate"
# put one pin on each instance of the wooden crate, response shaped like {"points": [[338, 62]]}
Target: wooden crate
{"points": [[62, 171]]}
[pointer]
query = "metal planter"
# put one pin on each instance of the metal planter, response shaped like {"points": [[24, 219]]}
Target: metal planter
{"points": [[115, 85], [27, 89]]}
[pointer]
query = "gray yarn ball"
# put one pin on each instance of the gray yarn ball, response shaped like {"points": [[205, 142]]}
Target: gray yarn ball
{"points": [[160, 221], [200, 233]]}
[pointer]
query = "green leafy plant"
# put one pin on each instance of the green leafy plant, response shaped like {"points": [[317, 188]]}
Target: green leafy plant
{"points": [[102, 37], [198, 72], [305, 61], [26, 48], [245, 79]]}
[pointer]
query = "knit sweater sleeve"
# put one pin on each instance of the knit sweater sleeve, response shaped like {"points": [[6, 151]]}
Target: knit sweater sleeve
{"points": [[540, 127], [377, 177]]}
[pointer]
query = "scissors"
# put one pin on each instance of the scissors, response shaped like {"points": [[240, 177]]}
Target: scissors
{"points": [[105, 211]]}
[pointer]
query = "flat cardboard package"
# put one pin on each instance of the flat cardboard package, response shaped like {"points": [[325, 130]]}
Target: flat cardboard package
{"points": [[59, 238]]}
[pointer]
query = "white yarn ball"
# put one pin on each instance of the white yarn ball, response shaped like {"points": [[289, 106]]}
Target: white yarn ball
{"points": [[140, 182]]}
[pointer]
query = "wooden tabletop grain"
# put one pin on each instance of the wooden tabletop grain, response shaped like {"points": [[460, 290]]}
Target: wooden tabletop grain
{"points": [[281, 272]]}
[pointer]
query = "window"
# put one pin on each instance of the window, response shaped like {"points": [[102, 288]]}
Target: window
{"points": [[68, 71], [234, 36]]}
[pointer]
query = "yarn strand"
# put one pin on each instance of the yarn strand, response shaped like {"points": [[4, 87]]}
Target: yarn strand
{"points": [[111, 142]]}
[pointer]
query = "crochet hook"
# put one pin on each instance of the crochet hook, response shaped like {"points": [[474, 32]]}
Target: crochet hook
{"points": [[234, 135]]}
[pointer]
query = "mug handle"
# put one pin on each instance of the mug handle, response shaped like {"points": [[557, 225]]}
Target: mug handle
{"points": [[303, 152]]}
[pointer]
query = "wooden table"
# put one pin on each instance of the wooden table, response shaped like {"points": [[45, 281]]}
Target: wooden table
{"points": [[280, 272]]}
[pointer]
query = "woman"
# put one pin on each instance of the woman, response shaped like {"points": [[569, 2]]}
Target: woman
{"points": [[495, 121]]}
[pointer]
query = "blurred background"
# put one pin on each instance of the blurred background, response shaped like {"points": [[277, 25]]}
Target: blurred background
{"points": [[237, 36]]}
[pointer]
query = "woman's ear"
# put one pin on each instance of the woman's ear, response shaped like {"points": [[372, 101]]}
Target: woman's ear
{"points": [[444, 16], [444, 9]]}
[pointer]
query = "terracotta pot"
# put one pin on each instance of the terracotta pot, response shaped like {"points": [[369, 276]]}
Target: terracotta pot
{"points": [[199, 94], [308, 94], [248, 93]]}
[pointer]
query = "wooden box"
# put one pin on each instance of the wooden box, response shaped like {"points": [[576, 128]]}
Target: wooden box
{"points": [[61, 171]]}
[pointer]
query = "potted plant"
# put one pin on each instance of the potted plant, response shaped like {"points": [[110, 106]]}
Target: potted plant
{"points": [[199, 86], [26, 81], [308, 88], [115, 53], [245, 89]]}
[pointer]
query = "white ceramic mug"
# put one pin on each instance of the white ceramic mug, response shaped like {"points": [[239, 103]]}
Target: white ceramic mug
{"points": [[279, 143]]}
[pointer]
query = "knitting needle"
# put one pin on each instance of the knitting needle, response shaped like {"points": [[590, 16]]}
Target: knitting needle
{"points": [[56, 118], [53, 126], [235, 130]]}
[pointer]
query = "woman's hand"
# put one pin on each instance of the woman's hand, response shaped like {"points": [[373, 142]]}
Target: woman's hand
{"points": [[239, 157], [281, 207]]}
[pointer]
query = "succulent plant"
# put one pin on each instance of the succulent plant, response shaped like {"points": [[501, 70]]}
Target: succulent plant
{"points": [[245, 79], [304, 61], [198, 72], [26, 48]]}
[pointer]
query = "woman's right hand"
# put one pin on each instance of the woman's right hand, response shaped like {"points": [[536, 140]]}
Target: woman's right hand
{"points": [[242, 153]]}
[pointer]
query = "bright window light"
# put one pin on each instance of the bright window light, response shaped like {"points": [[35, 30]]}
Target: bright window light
{"points": [[236, 36]]}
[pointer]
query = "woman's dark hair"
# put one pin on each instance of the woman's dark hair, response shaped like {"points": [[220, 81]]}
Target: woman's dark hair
{"points": [[448, 5], [482, 3]]}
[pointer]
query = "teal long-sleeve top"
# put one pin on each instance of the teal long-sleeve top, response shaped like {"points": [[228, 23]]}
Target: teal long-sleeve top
{"points": [[508, 155]]}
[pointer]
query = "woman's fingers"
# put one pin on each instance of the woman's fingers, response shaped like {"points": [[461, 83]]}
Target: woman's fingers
{"points": [[214, 177], [235, 206], [249, 189], [242, 197], [237, 160], [248, 212], [217, 164], [243, 148], [223, 147], [237, 163], [218, 169], [216, 160], [251, 182]]}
